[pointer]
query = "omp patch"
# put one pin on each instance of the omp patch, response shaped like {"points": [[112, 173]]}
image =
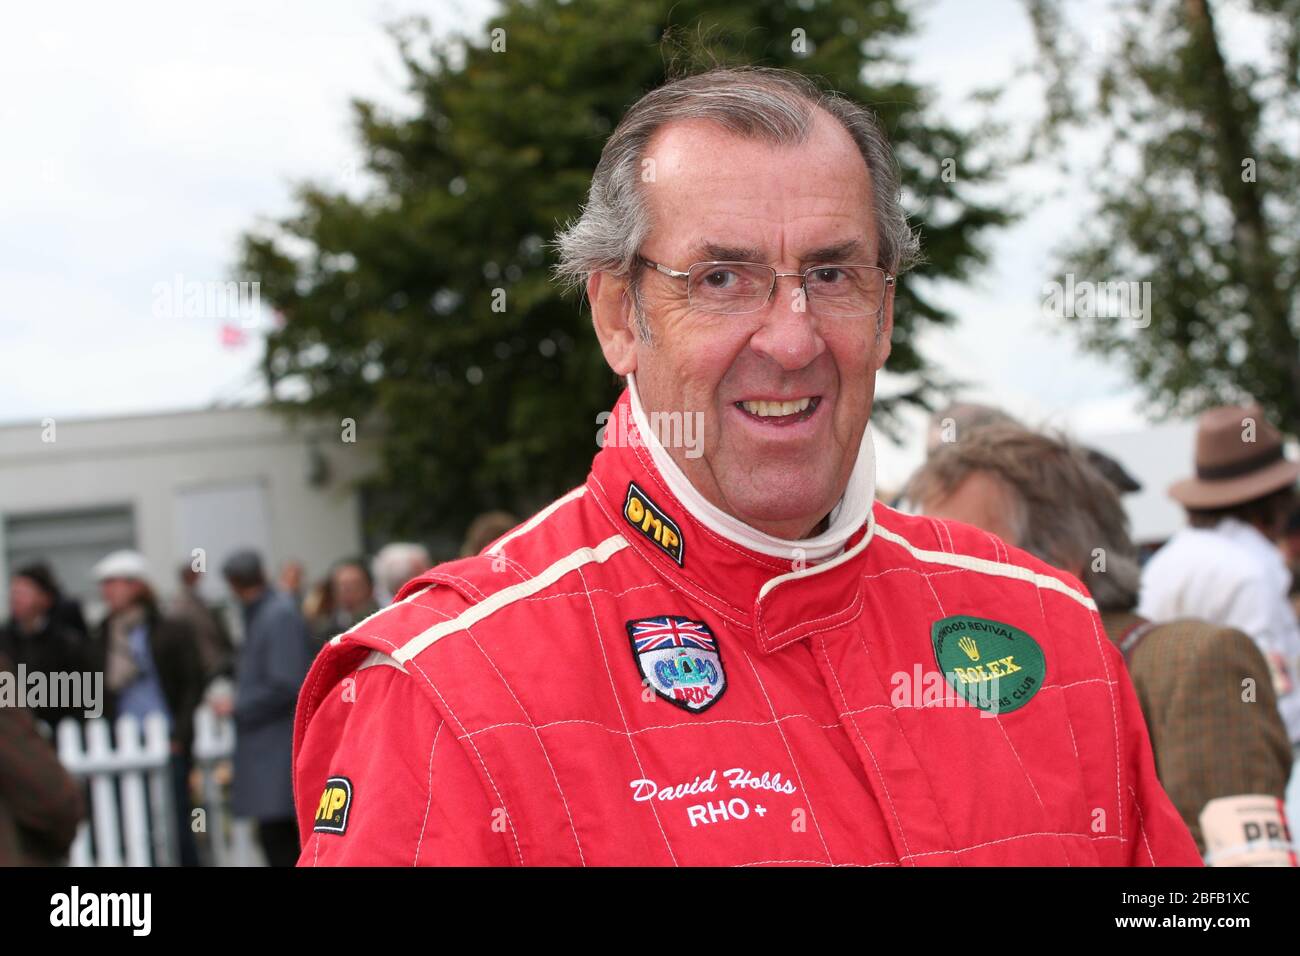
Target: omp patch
{"points": [[993, 666], [335, 803], [655, 526], [680, 659]]}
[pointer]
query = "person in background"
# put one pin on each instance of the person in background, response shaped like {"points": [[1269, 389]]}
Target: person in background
{"points": [[67, 610], [40, 802], [394, 565], [151, 665], [485, 529], [273, 661], [318, 609], [216, 650], [291, 580], [1290, 545], [959, 419], [353, 591], [1220, 746], [35, 637], [1225, 566]]}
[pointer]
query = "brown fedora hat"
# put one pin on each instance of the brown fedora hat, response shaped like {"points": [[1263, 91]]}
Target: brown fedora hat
{"points": [[1238, 458]]}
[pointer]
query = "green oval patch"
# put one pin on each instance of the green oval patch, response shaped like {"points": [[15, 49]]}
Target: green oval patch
{"points": [[993, 666]]}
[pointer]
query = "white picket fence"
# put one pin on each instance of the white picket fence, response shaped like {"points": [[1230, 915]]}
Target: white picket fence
{"points": [[132, 819]]}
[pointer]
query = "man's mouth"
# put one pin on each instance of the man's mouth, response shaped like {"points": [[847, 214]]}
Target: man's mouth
{"points": [[781, 412]]}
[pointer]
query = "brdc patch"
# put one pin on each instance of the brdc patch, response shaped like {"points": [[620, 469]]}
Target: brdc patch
{"points": [[335, 803], [993, 666], [680, 659], [655, 526]]}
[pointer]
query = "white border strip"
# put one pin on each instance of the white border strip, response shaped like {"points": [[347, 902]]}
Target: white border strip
{"points": [[984, 566], [506, 596], [338, 638], [537, 519], [826, 565]]}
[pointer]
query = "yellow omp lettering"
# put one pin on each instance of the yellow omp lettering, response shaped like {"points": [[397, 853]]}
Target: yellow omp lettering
{"points": [[337, 799], [331, 802], [647, 518], [335, 806]]}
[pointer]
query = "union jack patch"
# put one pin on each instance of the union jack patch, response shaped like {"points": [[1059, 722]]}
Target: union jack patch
{"points": [[680, 659]]}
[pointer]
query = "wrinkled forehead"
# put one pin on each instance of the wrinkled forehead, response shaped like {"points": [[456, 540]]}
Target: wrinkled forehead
{"points": [[714, 194]]}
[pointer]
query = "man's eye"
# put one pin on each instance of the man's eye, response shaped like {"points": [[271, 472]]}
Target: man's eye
{"points": [[827, 276], [720, 278]]}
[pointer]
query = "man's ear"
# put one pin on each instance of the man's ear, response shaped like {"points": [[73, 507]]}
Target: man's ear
{"points": [[613, 319], [886, 326]]}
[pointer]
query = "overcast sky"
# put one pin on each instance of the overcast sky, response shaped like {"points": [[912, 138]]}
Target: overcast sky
{"points": [[140, 141]]}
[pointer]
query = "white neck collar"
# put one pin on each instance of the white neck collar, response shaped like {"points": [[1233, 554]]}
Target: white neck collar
{"points": [[848, 516]]}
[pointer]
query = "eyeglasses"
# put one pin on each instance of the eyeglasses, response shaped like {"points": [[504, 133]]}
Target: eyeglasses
{"points": [[734, 288]]}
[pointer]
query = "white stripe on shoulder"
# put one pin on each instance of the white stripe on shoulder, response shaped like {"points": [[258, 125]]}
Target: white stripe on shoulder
{"points": [[383, 610], [507, 596], [984, 566], [538, 518], [379, 659]]}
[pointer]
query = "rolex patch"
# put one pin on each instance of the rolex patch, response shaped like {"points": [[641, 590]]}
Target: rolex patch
{"points": [[680, 659], [993, 666], [655, 526], [335, 802]]}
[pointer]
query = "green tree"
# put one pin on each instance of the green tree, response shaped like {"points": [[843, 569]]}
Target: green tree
{"points": [[388, 299], [1197, 192]]}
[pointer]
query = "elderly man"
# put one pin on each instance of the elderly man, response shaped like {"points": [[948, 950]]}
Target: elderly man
{"points": [[1220, 745], [723, 651]]}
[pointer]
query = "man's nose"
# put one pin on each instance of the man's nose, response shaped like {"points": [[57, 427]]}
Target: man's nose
{"points": [[789, 334]]}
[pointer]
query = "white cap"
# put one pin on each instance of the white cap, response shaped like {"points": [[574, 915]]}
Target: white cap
{"points": [[122, 564]]}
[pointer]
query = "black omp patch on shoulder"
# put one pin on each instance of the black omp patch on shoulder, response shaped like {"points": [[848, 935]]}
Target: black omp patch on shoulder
{"points": [[335, 804], [655, 526]]}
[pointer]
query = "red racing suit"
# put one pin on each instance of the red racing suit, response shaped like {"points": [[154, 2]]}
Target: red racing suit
{"points": [[621, 682]]}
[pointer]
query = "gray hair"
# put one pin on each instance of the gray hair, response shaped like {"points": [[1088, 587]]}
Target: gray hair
{"points": [[398, 562], [1064, 511], [776, 106]]}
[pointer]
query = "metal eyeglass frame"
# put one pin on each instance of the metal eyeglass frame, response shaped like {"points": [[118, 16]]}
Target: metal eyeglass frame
{"points": [[890, 279]]}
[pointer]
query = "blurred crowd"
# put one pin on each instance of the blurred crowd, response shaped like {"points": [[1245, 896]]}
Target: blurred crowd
{"points": [[244, 657]]}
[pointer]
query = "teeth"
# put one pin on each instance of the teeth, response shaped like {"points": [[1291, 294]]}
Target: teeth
{"points": [[773, 409]]}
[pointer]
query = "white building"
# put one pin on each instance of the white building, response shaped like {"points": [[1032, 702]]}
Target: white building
{"points": [[168, 484]]}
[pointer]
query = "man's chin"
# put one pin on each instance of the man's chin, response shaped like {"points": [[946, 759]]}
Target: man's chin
{"points": [[783, 509]]}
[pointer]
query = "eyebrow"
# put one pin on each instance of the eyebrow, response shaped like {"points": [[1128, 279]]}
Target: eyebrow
{"points": [[844, 251], [724, 253], [717, 251]]}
